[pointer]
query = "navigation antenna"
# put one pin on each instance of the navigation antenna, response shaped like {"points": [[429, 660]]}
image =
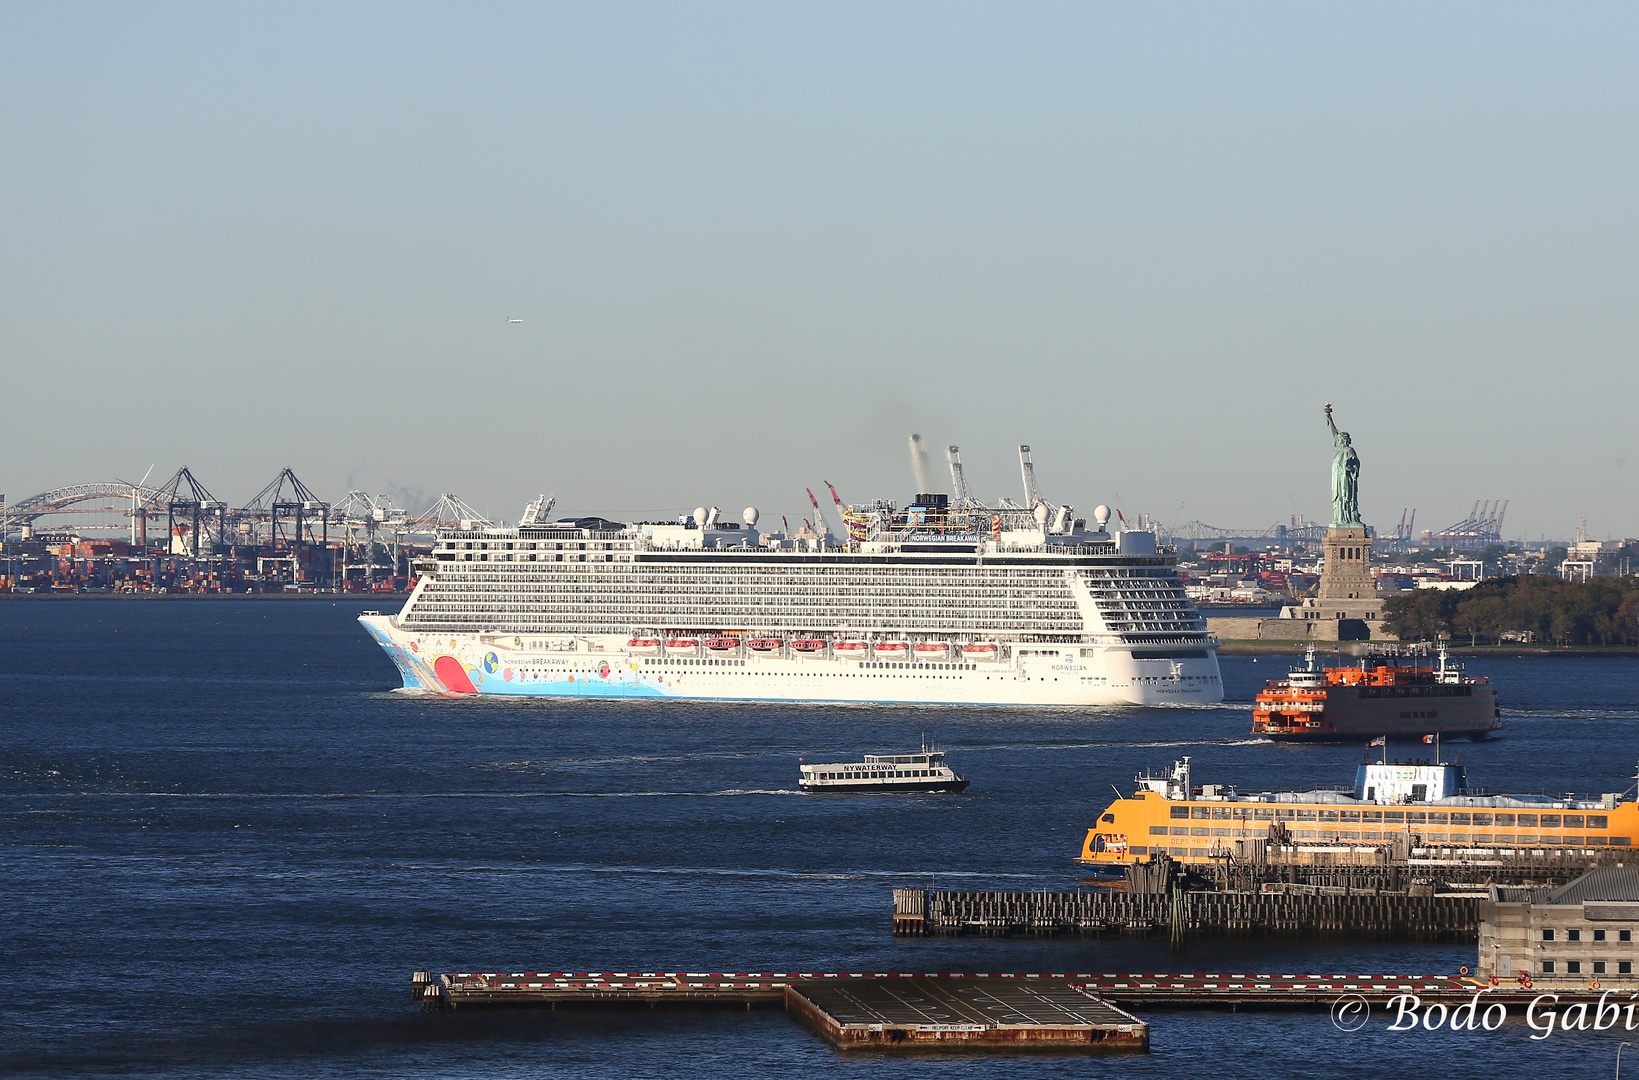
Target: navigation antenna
{"points": [[958, 482]]}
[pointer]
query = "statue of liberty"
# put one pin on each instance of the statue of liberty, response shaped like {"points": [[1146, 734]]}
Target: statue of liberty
{"points": [[1345, 478]]}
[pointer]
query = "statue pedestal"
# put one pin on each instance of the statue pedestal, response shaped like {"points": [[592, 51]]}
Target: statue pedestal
{"points": [[1347, 572], [1347, 593]]}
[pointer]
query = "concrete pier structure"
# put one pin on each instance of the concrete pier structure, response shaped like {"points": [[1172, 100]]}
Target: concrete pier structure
{"points": [[1578, 935]]}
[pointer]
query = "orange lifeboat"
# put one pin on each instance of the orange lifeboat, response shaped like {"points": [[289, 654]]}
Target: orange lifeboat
{"points": [[722, 645], [808, 645], [682, 647], [647, 646], [765, 644], [982, 650], [891, 650], [851, 650], [932, 650]]}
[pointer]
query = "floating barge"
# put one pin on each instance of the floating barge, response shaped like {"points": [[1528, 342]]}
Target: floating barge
{"points": [[962, 1012]]}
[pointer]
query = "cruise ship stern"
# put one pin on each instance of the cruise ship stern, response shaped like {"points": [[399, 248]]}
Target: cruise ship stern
{"points": [[1167, 676]]}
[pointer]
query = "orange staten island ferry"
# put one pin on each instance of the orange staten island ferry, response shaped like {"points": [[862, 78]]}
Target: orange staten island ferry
{"points": [[1430, 804], [1379, 697]]}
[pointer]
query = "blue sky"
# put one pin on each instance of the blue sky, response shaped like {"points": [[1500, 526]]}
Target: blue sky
{"points": [[754, 246]]}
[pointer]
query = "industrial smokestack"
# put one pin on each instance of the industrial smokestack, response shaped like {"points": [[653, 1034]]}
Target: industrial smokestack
{"points": [[919, 465]]}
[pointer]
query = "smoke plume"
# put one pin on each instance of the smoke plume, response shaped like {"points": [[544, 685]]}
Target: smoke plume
{"points": [[919, 465]]}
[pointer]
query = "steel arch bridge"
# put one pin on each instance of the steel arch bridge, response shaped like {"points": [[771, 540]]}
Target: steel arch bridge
{"points": [[1200, 531], [111, 497]]}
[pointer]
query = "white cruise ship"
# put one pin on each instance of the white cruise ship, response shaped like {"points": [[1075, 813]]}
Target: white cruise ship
{"points": [[944, 601]]}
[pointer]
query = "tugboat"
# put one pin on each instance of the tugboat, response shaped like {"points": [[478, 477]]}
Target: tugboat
{"points": [[1388, 700], [924, 770]]}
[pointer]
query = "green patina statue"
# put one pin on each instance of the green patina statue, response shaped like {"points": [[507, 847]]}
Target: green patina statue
{"points": [[1345, 478]]}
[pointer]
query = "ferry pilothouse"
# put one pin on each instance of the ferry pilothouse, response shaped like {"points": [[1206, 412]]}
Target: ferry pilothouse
{"points": [[944, 601]]}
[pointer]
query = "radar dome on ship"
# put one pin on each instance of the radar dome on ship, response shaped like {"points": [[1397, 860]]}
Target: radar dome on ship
{"points": [[1041, 514], [751, 516], [700, 515], [1101, 514]]}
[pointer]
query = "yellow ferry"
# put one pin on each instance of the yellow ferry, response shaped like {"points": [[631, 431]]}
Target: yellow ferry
{"points": [[1430, 804]]}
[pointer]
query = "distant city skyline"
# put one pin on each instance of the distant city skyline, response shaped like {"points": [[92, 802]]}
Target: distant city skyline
{"points": [[753, 248], [416, 500]]}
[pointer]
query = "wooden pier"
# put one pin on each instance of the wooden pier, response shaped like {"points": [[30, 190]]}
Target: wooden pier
{"points": [[604, 988], [853, 1012], [1315, 910], [1392, 867], [944, 999]]}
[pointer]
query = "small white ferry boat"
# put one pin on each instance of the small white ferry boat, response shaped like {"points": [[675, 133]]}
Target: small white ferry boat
{"points": [[924, 770]]}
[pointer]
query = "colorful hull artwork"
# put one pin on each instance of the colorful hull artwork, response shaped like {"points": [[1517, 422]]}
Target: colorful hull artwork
{"points": [[606, 666], [451, 666]]}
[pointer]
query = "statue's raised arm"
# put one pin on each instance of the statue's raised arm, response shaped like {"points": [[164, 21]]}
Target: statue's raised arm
{"points": [[1329, 421]]}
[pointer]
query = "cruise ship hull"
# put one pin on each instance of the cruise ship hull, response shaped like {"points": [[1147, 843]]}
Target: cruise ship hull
{"points": [[584, 666]]}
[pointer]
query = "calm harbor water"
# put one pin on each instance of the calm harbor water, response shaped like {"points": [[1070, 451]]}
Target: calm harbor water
{"points": [[226, 841]]}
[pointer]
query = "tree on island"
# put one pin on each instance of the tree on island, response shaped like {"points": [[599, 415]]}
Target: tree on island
{"points": [[1601, 611]]}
